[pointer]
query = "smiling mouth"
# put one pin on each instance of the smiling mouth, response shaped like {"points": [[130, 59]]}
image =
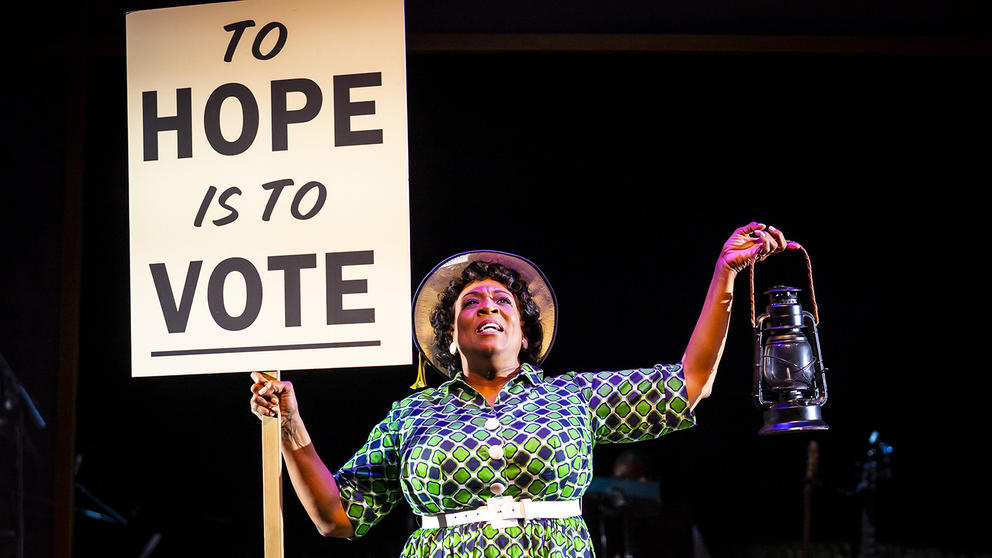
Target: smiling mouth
{"points": [[489, 328]]}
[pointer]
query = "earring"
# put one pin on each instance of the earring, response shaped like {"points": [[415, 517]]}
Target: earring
{"points": [[523, 342], [453, 349]]}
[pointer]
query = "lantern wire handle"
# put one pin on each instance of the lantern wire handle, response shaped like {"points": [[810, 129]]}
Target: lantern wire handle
{"points": [[809, 270]]}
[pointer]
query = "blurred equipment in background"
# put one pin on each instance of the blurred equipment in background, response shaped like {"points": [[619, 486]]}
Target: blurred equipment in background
{"points": [[627, 518], [874, 471], [103, 531], [15, 406], [812, 462], [102, 511]]}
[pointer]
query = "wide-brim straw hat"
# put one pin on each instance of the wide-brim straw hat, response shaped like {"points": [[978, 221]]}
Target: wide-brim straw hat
{"points": [[438, 280]]}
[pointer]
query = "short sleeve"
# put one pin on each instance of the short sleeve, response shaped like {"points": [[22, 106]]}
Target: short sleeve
{"points": [[369, 481], [640, 404]]}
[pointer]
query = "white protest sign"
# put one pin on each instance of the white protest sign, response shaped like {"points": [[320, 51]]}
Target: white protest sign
{"points": [[268, 184]]}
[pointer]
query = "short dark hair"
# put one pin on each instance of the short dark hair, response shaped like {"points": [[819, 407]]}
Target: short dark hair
{"points": [[443, 315]]}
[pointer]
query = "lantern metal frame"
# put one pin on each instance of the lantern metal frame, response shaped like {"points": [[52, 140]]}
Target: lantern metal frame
{"points": [[801, 413]]}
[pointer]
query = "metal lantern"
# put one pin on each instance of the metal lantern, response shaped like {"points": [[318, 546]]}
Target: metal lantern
{"points": [[789, 377]]}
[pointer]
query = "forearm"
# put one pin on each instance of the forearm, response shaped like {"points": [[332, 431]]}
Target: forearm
{"points": [[313, 482], [702, 354]]}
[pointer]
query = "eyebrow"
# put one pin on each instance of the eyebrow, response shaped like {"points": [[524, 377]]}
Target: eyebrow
{"points": [[476, 292]]}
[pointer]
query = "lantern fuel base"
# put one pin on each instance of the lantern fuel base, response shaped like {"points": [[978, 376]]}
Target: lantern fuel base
{"points": [[789, 377]]}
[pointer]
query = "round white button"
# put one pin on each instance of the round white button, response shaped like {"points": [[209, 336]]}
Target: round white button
{"points": [[492, 423], [497, 488], [495, 451]]}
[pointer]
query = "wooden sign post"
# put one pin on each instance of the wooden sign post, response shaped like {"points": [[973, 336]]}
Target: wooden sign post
{"points": [[268, 193], [272, 482]]}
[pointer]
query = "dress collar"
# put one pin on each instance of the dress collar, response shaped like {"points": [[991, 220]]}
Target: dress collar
{"points": [[528, 372], [532, 373]]}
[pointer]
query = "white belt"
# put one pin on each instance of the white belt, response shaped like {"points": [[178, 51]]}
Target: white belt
{"points": [[503, 512]]}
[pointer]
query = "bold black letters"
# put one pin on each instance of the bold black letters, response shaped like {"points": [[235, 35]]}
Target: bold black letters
{"points": [[276, 186], [256, 46], [336, 287], [321, 198], [344, 109], [281, 115], [176, 317], [282, 118], [182, 123], [291, 266], [253, 292], [249, 119], [238, 29]]}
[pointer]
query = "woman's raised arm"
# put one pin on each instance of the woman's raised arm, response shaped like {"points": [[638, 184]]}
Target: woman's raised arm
{"points": [[313, 483], [750, 243]]}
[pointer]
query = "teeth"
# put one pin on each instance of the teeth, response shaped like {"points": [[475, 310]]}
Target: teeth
{"points": [[486, 327]]}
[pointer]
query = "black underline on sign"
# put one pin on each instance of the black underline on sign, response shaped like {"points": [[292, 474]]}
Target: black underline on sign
{"points": [[264, 348]]}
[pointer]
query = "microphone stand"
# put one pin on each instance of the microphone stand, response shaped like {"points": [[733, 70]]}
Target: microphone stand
{"points": [[16, 401]]}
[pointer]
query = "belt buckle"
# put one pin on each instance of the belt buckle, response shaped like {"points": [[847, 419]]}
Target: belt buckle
{"points": [[504, 512]]}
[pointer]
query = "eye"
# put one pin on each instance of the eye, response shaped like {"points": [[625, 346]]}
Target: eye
{"points": [[504, 300]]}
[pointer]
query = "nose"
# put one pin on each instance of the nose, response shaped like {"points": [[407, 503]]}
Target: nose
{"points": [[488, 307]]}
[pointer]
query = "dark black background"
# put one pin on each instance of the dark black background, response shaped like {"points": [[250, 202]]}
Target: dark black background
{"points": [[620, 174]]}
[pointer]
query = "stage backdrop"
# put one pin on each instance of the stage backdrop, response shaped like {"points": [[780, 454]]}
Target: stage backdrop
{"points": [[268, 183]]}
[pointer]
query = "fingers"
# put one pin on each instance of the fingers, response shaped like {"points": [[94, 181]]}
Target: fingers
{"points": [[767, 240], [779, 237], [749, 228], [265, 395], [765, 244], [772, 240], [266, 385], [782, 243], [264, 391], [263, 407], [753, 243], [262, 377]]}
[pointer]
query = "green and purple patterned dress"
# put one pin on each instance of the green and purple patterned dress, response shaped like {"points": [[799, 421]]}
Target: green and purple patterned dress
{"points": [[446, 450]]}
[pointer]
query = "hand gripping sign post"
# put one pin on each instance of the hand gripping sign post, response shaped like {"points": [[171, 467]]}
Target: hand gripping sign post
{"points": [[269, 214]]}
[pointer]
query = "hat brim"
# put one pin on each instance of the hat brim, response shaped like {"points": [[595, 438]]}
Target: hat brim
{"points": [[436, 282]]}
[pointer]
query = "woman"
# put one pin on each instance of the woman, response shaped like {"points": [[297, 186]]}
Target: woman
{"points": [[496, 459]]}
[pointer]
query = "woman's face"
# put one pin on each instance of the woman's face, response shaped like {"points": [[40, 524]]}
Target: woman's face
{"points": [[487, 321]]}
